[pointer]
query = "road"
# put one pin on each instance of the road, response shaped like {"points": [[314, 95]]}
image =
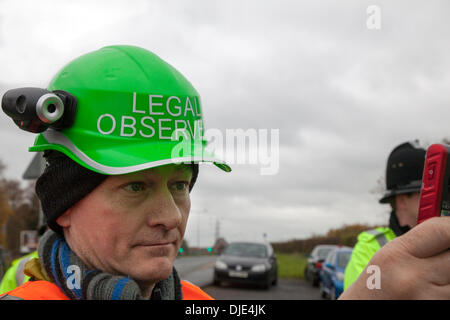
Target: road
{"points": [[196, 269], [287, 289], [200, 271]]}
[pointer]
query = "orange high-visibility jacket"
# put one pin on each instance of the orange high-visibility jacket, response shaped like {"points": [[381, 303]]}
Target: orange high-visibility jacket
{"points": [[45, 290]]}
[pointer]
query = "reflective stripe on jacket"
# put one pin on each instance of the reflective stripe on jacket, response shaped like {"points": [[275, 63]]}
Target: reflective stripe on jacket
{"points": [[369, 242], [45, 290]]}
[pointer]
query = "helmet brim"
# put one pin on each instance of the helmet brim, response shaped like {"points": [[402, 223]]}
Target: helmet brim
{"points": [[130, 157], [412, 187]]}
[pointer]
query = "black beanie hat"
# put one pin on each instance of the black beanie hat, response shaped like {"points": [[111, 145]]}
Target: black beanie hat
{"points": [[65, 182]]}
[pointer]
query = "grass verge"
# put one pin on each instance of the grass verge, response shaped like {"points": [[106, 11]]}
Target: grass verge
{"points": [[291, 265]]}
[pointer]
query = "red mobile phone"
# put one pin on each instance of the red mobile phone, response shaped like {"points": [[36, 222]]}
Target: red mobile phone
{"points": [[435, 191]]}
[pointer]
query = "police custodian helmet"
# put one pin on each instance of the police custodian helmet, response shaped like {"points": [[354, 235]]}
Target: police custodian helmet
{"points": [[404, 170]]}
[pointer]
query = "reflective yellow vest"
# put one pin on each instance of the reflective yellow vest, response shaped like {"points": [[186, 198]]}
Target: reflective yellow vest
{"points": [[369, 242], [15, 277]]}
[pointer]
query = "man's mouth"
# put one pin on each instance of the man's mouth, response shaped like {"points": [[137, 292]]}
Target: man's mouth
{"points": [[155, 244]]}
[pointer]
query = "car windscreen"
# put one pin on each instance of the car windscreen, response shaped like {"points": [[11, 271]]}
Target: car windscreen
{"points": [[322, 253], [343, 258], [246, 250]]}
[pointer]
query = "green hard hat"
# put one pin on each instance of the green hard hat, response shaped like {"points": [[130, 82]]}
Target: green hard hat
{"points": [[134, 112]]}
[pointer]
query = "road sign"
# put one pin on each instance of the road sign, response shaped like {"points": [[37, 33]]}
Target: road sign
{"points": [[35, 168]]}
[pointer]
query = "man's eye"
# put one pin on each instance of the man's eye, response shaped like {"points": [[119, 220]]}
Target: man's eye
{"points": [[180, 186], [135, 187]]}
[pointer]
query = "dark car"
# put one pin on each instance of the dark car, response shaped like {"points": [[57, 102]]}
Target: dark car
{"points": [[247, 262], [333, 270], [314, 264]]}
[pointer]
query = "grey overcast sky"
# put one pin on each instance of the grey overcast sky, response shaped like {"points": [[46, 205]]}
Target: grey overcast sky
{"points": [[342, 95]]}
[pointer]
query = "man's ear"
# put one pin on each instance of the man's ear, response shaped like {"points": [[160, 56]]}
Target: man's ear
{"points": [[64, 220]]}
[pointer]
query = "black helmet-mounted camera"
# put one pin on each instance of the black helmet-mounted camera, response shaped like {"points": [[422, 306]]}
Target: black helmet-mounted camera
{"points": [[36, 109]]}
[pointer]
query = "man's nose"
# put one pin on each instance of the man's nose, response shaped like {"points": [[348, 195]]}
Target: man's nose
{"points": [[164, 211]]}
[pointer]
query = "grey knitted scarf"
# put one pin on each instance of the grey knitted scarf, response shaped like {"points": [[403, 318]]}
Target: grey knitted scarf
{"points": [[77, 282]]}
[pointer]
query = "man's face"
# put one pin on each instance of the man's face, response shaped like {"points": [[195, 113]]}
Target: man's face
{"points": [[132, 224], [407, 208]]}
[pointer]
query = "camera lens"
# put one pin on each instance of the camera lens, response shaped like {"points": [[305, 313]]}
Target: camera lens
{"points": [[49, 108]]}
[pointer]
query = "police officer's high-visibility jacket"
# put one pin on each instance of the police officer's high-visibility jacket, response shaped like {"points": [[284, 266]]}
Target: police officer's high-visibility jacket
{"points": [[41, 288], [15, 277], [369, 242]]}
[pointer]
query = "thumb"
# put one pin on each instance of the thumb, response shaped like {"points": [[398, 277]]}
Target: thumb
{"points": [[429, 238]]}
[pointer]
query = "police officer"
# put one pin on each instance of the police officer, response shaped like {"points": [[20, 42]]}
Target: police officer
{"points": [[403, 181], [15, 276]]}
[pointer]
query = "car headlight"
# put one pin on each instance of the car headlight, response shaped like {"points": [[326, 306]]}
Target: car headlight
{"points": [[220, 265], [259, 268], [340, 276]]}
